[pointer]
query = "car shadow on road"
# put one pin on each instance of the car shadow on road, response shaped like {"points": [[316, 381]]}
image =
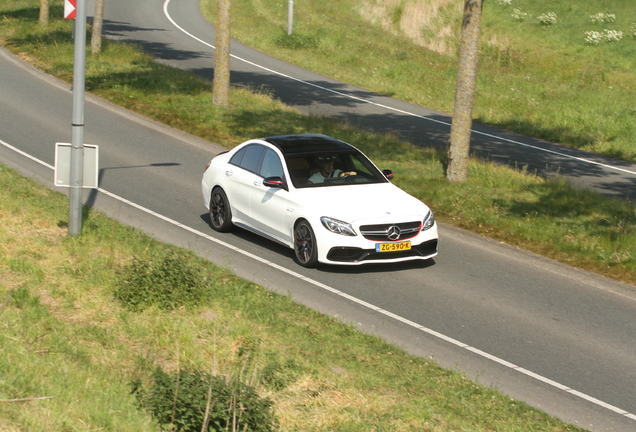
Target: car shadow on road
{"points": [[379, 267]]}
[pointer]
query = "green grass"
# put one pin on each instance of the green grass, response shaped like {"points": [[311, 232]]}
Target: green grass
{"points": [[66, 338], [542, 81], [579, 228]]}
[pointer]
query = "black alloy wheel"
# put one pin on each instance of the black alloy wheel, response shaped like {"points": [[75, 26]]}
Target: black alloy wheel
{"points": [[305, 245], [220, 213]]}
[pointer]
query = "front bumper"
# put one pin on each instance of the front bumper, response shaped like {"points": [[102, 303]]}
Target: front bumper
{"points": [[341, 250], [354, 255]]}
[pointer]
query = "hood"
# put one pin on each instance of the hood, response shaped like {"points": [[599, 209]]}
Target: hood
{"points": [[356, 203]]}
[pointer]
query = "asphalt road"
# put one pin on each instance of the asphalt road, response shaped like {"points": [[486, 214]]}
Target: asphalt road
{"points": [[557, 338]]}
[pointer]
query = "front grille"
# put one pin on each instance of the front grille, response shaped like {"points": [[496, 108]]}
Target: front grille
{"points": [[382, 232]]}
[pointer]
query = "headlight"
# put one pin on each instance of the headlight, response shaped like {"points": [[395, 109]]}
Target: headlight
{"points": [[429, 220], [337, 226]]}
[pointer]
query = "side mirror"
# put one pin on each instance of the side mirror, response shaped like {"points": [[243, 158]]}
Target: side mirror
{"points": [[275, 182], [388, 174]]}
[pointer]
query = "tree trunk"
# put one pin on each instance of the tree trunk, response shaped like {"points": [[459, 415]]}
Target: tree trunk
{"points": [[457, 170], [221, 84], [96, 35], [44, 13]]}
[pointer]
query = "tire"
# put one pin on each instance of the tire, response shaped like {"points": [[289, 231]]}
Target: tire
{"points": [[220, 212], [305, 245]]}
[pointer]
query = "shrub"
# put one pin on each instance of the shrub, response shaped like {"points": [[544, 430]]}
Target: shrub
{"points": [[179, 402], [167, 281]]}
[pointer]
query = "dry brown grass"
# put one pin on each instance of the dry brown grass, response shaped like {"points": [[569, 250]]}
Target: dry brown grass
{"points": [[324, 406], [419, 20]]}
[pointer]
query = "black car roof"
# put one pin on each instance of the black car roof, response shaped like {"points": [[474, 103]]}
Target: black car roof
{"points": [[308, 143]]}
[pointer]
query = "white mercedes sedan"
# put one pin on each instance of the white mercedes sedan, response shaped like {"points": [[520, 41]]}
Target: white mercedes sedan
{"points": [[320, 197]]}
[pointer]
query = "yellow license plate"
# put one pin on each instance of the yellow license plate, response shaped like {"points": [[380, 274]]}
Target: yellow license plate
{"points": [[392, 247]]}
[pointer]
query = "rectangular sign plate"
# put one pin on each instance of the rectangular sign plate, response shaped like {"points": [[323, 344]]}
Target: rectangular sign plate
{"points": [[63, 165]]}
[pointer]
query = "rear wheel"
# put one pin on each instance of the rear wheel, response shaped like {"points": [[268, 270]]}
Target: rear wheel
{"points": [[305, 245], [220, 212]]}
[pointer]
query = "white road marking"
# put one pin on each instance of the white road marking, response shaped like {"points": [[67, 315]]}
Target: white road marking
{"points": [[351, 298]]}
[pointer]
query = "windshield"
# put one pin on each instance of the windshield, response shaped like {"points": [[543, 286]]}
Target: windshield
{"points": [[331, 169]]}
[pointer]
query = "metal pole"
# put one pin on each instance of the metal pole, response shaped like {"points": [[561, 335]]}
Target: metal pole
{"points": [[290, 18], [77, 125]]}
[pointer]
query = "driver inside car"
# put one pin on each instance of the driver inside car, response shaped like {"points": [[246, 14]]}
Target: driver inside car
{"points": [[325, 163]]}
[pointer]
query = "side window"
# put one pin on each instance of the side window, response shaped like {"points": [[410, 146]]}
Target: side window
{"points": [[238, 156], [252, 158], [271, 165]]}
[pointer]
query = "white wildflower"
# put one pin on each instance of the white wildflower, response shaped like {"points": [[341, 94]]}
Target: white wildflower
{"points": [[602, 18], [547, 19], [610, 36], [519, 15], [593, 37]]}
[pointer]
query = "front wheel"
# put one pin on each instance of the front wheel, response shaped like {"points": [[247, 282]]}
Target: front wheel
{"points": [[220, 212], [305, 245]]}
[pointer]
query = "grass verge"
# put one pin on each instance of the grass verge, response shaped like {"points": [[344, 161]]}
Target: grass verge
{"points": [[67, 338], [579, 228]]}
